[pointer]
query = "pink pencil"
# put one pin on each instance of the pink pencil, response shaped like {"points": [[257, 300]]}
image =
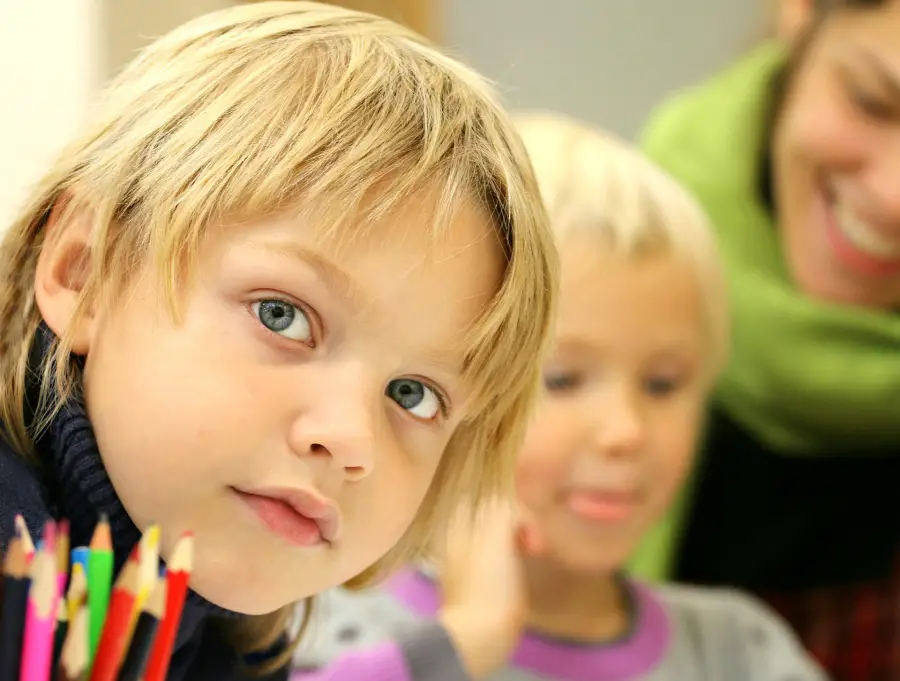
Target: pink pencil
{"points": [[37, 648], [51, 539]]}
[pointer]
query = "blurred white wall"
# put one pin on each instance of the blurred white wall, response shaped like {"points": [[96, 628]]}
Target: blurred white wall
{"points": [[50, 68]]}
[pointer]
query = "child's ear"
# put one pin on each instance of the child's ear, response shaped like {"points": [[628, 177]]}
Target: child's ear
{"points": [[794, 16], [62, 272]]}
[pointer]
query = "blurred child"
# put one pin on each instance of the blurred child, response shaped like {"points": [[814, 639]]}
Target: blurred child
{"points": [[539, 593], [287, 293]]}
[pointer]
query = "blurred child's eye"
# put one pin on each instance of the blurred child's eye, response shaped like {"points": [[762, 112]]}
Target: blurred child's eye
{"points": [[561, 382], [661, 385], [416, 398], [283, 318], [872, 106]]}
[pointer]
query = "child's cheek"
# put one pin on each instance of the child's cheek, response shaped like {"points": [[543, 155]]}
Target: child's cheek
{"points": [[537, 479]]}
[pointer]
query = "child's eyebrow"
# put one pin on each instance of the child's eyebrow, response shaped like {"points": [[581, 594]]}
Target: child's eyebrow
{"points": [[334, 277]]}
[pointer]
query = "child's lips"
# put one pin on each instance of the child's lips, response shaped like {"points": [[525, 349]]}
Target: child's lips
{"points": [[602, 506], [298, 516]]}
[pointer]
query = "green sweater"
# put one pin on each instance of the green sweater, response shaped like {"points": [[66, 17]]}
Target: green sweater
{"points": [[810, 401]]}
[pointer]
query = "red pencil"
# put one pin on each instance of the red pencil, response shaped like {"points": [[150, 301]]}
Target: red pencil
{"points": [[114, 638], [178, 574]]}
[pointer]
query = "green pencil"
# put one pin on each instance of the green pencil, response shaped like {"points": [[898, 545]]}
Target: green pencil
{"points": [[99, 578]]}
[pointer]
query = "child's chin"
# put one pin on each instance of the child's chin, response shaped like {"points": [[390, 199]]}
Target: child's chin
{"points": [[239, 597], [603, 559]]}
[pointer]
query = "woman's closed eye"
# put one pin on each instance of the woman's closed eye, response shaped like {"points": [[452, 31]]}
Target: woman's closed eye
{"points": [[284, 318], [417, 398]]}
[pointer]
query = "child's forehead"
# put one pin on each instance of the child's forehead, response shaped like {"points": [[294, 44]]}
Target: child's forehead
{"points": [[652, 300], [423, 223]]}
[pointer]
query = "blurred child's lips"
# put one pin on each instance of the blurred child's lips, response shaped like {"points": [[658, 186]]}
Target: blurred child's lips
{"points": [[601, 506], [297, 516]]}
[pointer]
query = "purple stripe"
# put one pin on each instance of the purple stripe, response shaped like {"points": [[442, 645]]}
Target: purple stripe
{"points": [[632, 657], [381, 663]]}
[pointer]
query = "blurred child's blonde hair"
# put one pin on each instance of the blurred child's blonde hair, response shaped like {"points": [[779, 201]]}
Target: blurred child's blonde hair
{"points": [[294, 106], [593, 182]]}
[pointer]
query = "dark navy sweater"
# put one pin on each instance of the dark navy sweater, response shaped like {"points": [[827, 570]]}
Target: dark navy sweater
{"points": [[70, 481]]}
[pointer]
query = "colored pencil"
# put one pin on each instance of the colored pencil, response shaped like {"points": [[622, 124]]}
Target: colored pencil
{"points": [[62, 629], [40, 619], [25, 536], [99, 576], [77, 595], [48, 545], [80, 557], [177, 576], [111, 649], [148, 560], [73, 665], [16, 583], [144, 634], [62, 556]]}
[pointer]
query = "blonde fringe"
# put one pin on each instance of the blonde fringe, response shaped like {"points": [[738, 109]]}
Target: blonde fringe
{"points": [[593, 182]]}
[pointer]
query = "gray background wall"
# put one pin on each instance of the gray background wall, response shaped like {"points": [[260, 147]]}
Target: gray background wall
{"points": [[608, 61]]}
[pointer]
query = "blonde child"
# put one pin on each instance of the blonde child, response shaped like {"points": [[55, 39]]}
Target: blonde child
{"points": [[286, 293], [640, 338]]}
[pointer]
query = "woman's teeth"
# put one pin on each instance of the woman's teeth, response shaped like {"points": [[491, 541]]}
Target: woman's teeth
{"points": [[862, 236]]}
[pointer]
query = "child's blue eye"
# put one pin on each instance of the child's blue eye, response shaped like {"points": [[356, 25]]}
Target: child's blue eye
{"points": [[284, 319], [415, 397], [561, 382]]}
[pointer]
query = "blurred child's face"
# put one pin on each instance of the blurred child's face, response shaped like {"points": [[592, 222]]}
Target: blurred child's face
{"points": [[303, 381], [625, 392]]}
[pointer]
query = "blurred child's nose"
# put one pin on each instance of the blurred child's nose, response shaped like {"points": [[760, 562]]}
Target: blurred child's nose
{"points": [[339, 420], [619, 428]]}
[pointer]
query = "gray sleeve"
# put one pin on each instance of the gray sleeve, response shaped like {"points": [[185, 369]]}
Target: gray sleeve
{"points": [[773, 651], [430, 653], [348, 624]]}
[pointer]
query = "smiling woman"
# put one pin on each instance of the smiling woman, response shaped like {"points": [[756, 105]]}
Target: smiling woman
{"points": [[795, 153]]}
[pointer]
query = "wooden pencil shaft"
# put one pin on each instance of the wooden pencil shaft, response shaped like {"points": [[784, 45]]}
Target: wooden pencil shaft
{"points": [[73, 665]]}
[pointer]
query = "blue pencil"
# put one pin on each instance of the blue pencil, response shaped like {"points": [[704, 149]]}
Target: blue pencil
{"points": [[80, 555]]}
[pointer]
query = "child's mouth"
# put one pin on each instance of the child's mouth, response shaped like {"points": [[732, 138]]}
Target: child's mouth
{"points": [[598, 506], [297, 516]]}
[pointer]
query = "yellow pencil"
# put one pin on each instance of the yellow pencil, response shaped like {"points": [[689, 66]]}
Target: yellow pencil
{"points": [[148, 572], [77, 591]]}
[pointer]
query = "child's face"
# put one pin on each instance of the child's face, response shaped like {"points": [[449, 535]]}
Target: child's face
{"points": [[625, 392], [298, 369]]}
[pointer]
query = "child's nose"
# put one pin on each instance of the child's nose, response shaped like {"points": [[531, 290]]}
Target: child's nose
{"points": [[339, 424], [619, 431]]}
